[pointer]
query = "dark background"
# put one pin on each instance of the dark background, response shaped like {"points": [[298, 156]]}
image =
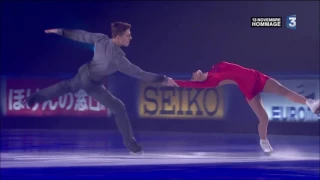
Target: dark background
{"points": [[168, 37]]}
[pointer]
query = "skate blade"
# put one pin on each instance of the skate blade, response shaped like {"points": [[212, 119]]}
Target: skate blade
{"points": [[137, 154]]}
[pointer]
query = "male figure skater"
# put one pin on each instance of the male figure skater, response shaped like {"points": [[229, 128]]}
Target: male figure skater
{"points": [[107, 59], [251, 83]]}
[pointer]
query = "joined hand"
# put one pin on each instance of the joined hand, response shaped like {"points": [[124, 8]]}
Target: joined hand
{"points": [[170, 82], [48, 31]]}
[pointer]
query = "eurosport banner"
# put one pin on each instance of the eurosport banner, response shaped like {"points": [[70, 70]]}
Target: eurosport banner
{"points": [[281, 109], [156, 101], [15, 90]]}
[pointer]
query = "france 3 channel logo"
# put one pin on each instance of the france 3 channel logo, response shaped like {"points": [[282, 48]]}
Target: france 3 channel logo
{"points": [[274, 22], [292, 22]]}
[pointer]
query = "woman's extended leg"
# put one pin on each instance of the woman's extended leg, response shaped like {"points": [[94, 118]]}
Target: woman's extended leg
{"points": [[273, 86]]}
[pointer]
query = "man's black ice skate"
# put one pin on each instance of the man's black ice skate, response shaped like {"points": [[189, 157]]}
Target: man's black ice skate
{"points": [[134, 147]]}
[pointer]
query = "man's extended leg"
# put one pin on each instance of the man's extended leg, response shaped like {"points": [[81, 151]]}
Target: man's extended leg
{"points": [[63, 87], [101, 94]]}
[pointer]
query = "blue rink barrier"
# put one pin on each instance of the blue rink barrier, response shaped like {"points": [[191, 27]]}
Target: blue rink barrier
{"points": [[156, 102], [154, 107]]}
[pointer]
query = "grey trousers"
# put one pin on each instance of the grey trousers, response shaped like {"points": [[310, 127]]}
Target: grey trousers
{"points": [[96, 90]]}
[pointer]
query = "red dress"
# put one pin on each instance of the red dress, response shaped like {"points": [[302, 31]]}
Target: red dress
{"points": [[250, 82]]}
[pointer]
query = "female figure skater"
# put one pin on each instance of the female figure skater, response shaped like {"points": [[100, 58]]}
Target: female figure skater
{"points": [[251, 82]]}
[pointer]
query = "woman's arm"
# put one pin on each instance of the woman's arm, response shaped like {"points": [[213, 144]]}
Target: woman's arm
{"points": [[194, 84]]}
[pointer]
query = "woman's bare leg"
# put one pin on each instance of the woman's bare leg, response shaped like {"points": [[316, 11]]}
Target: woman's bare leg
{"points": [[273, 86], [257, 107]]}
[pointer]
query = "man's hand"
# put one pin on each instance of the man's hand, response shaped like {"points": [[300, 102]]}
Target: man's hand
{"points": [[170, 82], [54, 31]]}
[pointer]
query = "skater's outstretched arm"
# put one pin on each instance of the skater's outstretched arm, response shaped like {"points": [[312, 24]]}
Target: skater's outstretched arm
{"points": [[194, 84], [126, 67], [78, 35]]}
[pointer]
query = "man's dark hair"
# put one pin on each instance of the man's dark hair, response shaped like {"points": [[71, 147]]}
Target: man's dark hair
{"points": [[118, 28]]}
